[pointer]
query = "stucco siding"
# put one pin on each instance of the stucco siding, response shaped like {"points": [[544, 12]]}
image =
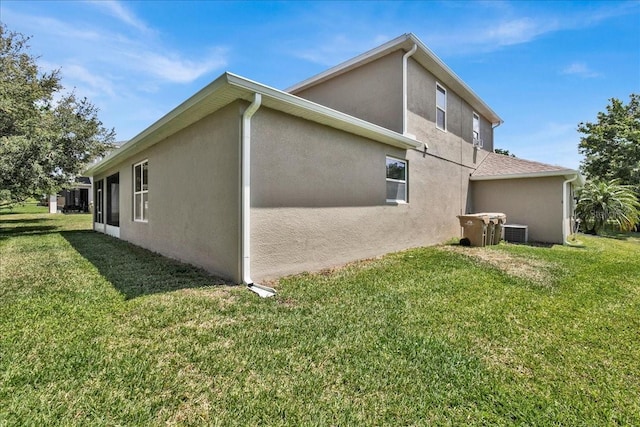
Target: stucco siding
{"points": [[193, 195], [319, 197], [536, 202], [421, 100], [372, 92]]}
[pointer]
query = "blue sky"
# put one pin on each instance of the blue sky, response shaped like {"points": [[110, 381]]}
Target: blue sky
{"points": [[542, 66]]}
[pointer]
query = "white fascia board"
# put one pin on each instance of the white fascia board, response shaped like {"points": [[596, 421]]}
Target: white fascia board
{"points": [[567, 173], [425, 56], [146, 138], [343, 67], [451, 79], [325, 115], [197, 106]]}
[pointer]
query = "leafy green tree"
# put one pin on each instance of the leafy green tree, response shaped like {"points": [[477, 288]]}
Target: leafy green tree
{"points": [[46, 137], [503, 152], [602, 202], [611, 145]]}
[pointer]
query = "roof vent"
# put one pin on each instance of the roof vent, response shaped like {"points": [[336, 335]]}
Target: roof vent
{"points": [[516, 233]]}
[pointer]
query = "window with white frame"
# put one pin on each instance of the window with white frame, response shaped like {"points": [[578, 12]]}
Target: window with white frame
{"points": [[141, 191], [441, 107], [476, 127], [396, 180]]}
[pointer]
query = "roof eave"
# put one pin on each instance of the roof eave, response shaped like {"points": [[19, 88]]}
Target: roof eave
{"points": [[566, 173], [406, 42], [273, 98]]}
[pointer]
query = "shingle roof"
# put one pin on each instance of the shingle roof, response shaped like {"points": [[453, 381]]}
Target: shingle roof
{"points": [[499, 166]]}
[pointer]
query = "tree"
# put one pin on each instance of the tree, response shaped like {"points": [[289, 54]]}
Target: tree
{"points": [[503, 152], [611, 145], [46, 137], [600, 202]]}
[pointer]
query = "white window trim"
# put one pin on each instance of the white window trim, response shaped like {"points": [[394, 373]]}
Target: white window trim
{"points": [[406, 176], [444, 110], [473, 130], [141, 192]]}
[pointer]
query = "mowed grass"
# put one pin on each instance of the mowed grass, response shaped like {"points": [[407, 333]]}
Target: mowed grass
{"points": [[94, 331]]}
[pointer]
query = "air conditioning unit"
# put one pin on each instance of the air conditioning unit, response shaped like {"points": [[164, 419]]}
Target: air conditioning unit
{"points": [[516, 233], [477, 142]]}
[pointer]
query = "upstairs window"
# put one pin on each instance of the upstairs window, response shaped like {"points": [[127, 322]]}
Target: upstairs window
{"points": [[396, 180], [441, 107], [141, 191], [476, 127]]}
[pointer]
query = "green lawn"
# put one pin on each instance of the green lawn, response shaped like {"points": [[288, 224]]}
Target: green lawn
{"points": [[94, 331]]}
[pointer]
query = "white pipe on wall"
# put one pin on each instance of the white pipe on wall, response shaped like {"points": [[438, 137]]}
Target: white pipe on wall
{"points": [[245, 226], [405, 97], [566, 208]]}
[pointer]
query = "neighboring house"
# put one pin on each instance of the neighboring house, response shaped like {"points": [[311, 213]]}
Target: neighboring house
{"points": [[372, 156], [76, 198]]}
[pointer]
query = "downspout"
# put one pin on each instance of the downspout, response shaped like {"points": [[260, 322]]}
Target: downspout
{"points": [[245, 210], [565, 201], [405, 97]]}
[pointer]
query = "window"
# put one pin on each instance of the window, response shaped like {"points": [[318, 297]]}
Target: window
{"points": [[113, 200], [441, 107], [97, 196], [396, 180], [476, 126], [141, 191]]}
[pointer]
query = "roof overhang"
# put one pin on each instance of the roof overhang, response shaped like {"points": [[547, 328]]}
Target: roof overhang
{"points": [[228, 88], [567, 174], [424, 56]]}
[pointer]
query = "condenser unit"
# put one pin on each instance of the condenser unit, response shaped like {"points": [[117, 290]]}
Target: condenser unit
{"points": [[516, 233]]}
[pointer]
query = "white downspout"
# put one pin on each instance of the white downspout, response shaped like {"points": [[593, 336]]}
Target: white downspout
{"points": [[245, 226], [565, 209], [405, 85]]}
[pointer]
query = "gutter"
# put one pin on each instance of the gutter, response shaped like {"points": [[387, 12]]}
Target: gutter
{"points": [[405, 95], [544, 174], [245, 209]]}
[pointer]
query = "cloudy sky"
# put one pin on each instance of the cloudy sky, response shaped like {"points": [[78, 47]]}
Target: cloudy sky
{"points": [[542, 66]]}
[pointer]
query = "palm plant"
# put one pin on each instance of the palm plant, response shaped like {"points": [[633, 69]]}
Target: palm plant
{"points": [[602, 202]]}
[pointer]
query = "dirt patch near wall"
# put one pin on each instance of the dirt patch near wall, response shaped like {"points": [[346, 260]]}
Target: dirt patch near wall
{"points": [[531, 269]]}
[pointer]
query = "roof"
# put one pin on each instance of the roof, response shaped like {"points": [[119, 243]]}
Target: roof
{"points": [[230, 87], [423, 55], [498, 166]]}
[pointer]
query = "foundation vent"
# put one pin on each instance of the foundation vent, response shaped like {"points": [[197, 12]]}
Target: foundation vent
{"points": [[516, 233]]}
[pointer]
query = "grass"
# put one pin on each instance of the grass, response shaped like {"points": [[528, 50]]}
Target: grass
{"points": [[94, 331]]}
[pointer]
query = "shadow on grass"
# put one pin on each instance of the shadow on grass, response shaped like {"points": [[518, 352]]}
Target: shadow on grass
{"points": [[135, 271], [24, 220], [618, 235], [27, 230]]}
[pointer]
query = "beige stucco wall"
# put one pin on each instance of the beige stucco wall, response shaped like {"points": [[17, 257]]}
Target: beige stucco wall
{"points": [[421, 102], [318, 197], [536, 202], [372, 92], [193, 195]]}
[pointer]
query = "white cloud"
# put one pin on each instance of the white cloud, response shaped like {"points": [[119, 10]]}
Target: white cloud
{"points": [[514, 31], [580, 69], [338, 48], [507, 26], [173, 68], [117, 10]]}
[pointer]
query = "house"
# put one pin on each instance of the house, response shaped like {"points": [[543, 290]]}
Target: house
{"points": [[375, 155], [78, 197]]}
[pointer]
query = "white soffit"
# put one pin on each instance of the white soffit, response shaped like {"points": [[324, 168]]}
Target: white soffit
{"points": [[230, 87]]}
